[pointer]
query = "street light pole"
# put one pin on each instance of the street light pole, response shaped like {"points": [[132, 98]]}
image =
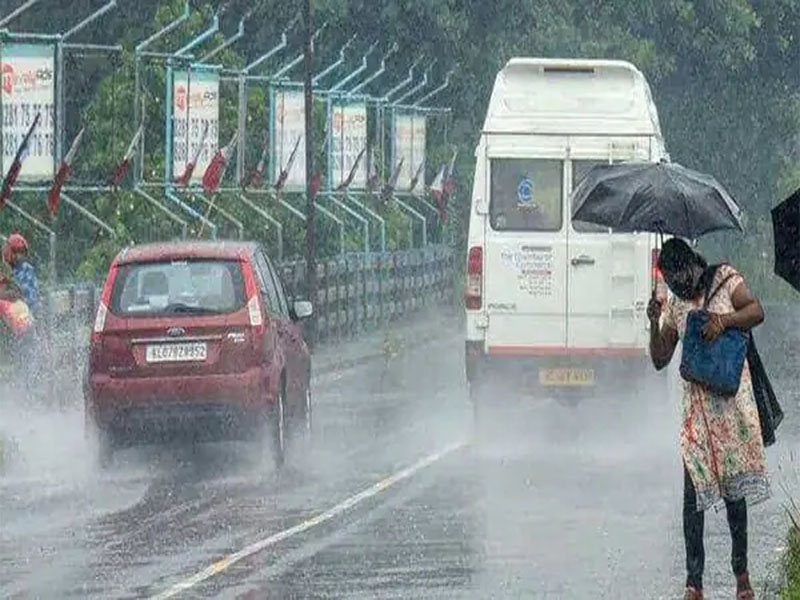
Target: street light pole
{"points": [[311, 260]]}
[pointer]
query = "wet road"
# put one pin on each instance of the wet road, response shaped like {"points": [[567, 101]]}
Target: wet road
{"points": [[392, 498]]}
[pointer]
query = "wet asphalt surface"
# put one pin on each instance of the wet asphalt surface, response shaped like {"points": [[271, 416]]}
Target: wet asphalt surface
{"points": [[547, 500]]}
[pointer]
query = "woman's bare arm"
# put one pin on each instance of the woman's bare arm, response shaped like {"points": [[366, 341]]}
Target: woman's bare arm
{"points": [[663, 340], [748, 312]]}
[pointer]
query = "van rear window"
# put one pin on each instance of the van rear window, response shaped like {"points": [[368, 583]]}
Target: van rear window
{"points": [[200, 287], [579, 170], [526, 194]]}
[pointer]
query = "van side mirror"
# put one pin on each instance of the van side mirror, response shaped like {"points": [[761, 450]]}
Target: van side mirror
{"points": [[302, 309]]}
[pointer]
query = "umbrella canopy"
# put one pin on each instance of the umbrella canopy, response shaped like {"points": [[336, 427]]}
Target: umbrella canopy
{"points": [[786, 226], [656, 197]]}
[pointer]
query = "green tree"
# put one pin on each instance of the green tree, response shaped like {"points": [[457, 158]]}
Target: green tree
{"points": [[724, 76]]}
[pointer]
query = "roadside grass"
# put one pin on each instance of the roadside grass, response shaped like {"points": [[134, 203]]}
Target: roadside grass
{"points": [[791, 564], [791, 559]]}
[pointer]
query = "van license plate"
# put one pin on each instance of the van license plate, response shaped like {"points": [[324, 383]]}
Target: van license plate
{"points": [[160, 353], [566, 377]]}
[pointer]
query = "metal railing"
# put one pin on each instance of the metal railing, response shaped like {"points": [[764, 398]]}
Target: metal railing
{"points": [[364, 291], [356, 293]]}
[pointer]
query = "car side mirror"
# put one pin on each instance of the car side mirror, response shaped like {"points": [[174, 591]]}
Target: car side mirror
{"points": [[302, 309]]}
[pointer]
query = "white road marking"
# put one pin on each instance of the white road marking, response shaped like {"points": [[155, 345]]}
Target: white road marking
{"points": [[222, 565]]}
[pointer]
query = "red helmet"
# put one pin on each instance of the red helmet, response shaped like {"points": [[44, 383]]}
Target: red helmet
{"points": [[14, 244]]}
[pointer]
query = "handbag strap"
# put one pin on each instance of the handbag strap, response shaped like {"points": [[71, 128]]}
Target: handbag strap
{"points": [[710, 297]]}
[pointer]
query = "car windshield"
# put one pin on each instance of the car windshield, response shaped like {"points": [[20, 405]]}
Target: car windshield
{"points": [[178, 287]]}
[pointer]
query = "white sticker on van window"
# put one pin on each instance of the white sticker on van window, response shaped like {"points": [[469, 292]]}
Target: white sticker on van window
{"points": [[525, 193]]}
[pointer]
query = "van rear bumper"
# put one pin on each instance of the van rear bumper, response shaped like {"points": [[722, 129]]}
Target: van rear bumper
{"points": [[556, 368], [559, 352]]}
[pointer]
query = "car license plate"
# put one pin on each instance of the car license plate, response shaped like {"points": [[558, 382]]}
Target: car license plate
{"points": [[160, 353], [564, 377]]}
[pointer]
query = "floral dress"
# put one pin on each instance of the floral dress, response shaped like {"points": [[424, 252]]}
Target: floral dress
{"points": [[720, 436]]}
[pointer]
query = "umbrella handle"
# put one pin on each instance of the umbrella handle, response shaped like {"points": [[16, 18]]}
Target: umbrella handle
{"points": [[659, 246]]}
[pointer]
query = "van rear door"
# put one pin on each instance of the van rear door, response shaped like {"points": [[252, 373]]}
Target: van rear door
{"points": [[608, 282], [525, 280]]}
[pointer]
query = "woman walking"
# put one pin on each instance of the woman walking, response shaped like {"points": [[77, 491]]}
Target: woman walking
{"points": [[720, 439]]}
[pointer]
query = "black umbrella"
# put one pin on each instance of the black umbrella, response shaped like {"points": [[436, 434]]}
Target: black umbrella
{"points": [[786, 226], [659, 197]]}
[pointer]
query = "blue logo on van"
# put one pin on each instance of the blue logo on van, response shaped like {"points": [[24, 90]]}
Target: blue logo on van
{"points": [[525, 192]]}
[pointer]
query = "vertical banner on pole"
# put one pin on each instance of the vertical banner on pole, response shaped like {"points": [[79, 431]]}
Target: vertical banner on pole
{"points": [[28, 89], [409, 145], [196, 110], [418, 139], [348, 140], [401, 148], [289, 139]]}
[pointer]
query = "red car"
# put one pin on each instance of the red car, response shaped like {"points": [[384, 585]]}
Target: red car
{"points": [[196, 340]]}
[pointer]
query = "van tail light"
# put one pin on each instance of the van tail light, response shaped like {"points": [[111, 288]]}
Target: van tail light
{"points": [[659, 284], [472, 297]]}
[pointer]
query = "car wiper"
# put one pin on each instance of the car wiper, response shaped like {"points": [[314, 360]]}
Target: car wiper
{"points": [[179, 307]]}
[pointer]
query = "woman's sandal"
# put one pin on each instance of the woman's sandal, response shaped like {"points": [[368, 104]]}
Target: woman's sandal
{"points": [[744, 591], [692, 593]]}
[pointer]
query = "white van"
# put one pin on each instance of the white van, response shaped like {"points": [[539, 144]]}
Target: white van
{"points": [[565, 299]]}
